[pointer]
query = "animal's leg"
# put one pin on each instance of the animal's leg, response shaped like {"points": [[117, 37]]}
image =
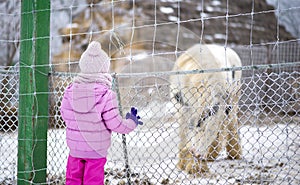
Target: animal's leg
{"points": [[183, 158], [215, 148], [196, 166], [233, 145], [183, 148], [183, 127]]}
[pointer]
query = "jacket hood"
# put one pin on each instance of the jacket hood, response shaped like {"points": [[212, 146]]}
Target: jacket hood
{"points": [[84, 97]]}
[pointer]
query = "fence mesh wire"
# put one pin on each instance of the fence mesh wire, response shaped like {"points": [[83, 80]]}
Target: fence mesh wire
{"points": [[268, 107], [268, 115]]}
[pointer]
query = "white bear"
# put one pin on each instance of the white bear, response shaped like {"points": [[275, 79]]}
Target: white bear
{"points": [[207, 106]]}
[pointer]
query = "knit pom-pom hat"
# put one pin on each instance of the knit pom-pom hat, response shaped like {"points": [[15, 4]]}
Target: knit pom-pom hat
{"points": [[94, 59]]}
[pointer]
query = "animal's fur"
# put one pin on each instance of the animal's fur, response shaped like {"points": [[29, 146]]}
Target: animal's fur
{"points": [[207, 105]]}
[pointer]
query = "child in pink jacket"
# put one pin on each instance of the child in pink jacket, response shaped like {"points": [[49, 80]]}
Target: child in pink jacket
{"points": [[90, 110]]}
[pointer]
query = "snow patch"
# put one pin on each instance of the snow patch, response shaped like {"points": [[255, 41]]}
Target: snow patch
{"points": [[166, 10], [209, 8], [204, 14], [173, 18], [219, 36], [216, 3], [208, 37], [199, 7]]}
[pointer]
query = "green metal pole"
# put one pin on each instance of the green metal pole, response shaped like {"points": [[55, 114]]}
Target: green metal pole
{"points": [[33, 91], [25, 96]]}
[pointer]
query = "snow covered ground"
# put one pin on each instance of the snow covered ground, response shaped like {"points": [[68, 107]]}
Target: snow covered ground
{"points": [[271, 155]]}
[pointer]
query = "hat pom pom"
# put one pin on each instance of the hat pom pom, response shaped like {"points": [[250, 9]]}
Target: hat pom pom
{"points": [[94, 48]]}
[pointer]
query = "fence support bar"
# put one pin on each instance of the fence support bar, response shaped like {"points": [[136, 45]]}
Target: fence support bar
{"points": [[33, 92], [124, 143]]}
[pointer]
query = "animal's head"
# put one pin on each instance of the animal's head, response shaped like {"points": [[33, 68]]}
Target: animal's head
{"points": [[202, 125]]}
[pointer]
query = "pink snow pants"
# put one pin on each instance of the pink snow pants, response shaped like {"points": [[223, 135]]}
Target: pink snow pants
{"points": [[82, 171]]}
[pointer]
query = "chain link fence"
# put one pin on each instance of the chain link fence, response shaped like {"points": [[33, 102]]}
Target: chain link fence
{"points": [[8, 124], [268, 127]]}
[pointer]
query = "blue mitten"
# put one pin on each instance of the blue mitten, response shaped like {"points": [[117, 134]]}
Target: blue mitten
{"points": [[133, 115]]}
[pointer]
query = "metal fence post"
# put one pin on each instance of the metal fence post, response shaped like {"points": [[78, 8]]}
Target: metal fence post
{"points": [[124, 143], [33, 92]]}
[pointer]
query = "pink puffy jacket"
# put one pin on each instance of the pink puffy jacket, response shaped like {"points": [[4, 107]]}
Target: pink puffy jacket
{"points": [[91, 113]]}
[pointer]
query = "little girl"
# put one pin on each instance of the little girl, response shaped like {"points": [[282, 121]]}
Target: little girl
{"points": [[90, 110]]}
